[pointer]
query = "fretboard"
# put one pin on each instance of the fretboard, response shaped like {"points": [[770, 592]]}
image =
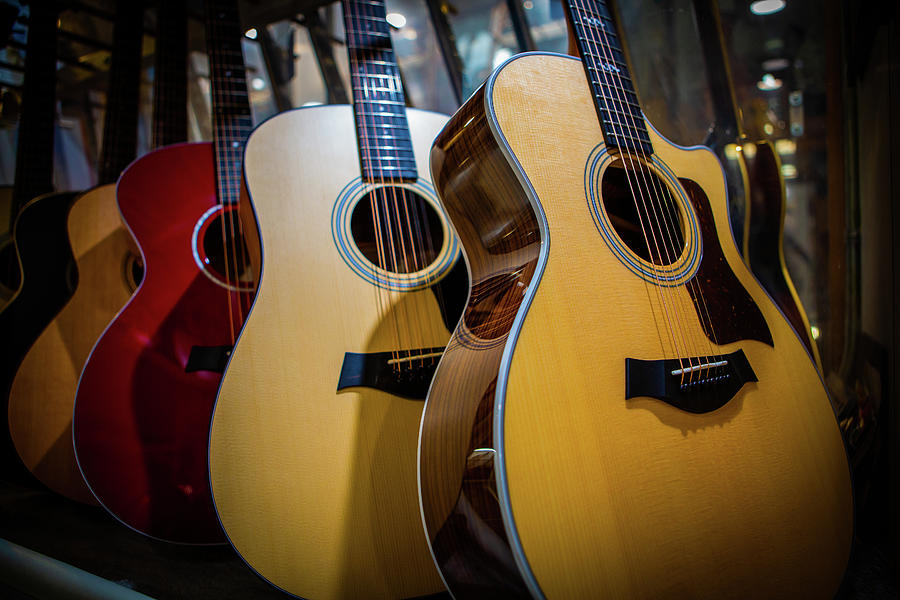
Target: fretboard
{"points": [[232, 121], [604, 63], [120, 123], [385, 147], [34, 154], [170, 89]]}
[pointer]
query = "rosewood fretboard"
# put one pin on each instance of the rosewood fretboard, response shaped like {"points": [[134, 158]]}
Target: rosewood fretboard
{"points": [[607, 72], [385, 147], [232, 121]]}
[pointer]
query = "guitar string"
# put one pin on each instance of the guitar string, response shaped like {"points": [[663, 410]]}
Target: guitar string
{"points": [[232, 69], [229, 71], [386, 188], [646, 176], [662, 193], [413, 225], [358, 71], [661, 207], [215, 13], [588, 39], [393, 195], [378, 11], [698, 303], [242, 125]]}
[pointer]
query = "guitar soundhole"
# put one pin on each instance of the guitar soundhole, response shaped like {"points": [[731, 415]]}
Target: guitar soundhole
{"points": [[397, 229], [224, 251], [643, 212], [132, 271]]}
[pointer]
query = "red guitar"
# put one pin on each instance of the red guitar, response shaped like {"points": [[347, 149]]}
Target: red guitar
{"points": [[145, 397]]}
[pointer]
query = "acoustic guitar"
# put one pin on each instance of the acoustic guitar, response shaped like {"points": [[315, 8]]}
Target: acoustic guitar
{"points": [[756, 191], [43, 392], [621, 411], [312, 449], [37, 266], [145, 396]]}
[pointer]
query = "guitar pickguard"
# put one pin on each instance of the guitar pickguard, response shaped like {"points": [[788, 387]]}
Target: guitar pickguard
{"points": [[718, 292]]}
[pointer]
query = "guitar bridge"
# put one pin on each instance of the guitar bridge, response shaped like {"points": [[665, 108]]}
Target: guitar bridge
{"points": [[697, 384], [405, 373]]}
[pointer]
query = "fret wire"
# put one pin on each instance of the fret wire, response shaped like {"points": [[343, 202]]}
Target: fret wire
{"points": [[607, 72]]}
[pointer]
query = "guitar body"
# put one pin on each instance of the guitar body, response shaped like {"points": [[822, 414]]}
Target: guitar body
{"points": [[537, 476], [43, 391], [315, 486], [48, 280], [141, 421], [765, 242]]}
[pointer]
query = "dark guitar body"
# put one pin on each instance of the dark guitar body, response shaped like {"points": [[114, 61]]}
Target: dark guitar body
{"points": [[49, 277], [765, 241]]}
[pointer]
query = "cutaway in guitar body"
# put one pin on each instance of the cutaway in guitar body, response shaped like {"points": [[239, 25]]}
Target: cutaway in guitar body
{"points": [[537, 477]]}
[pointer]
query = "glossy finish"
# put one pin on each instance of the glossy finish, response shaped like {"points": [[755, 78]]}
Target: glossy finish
{"points": [[765, 242], [537, 477], [140, 421], [49, 278], [501, 240]]}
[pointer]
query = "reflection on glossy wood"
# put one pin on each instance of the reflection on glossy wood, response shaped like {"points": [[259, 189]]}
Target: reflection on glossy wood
{"points": [[43, 392], [603, 496], [316, 488], [765, 242]]}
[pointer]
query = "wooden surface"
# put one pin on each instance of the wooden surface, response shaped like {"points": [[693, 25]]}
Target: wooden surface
{"points": [[501, 239], [636, 499], [43, 392], [316, 489], [764, 242], [48, 280]]}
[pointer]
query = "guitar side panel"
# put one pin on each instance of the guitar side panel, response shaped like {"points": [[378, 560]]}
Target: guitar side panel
{"points": [[49, 277], [141, 420], [502, 240], [43, 392]]}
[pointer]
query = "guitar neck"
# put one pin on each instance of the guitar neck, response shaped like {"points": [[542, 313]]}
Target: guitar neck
{"points": [[379, 105], [120, 124], [232, 121], [170, 99], [604, 62], [34, 154]]}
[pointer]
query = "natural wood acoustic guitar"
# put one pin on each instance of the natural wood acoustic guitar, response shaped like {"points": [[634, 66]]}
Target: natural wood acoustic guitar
{"points": [[36, 264], [43, 392], [622, 411], [312, 449], [145, 396]]}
